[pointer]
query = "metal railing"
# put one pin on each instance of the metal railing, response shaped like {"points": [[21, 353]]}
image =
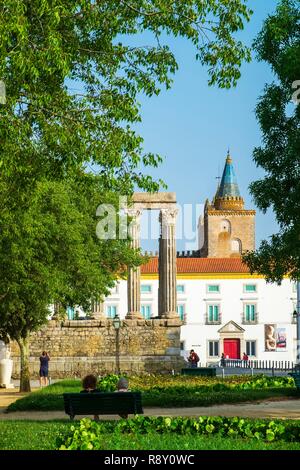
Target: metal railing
{"points": [[255, 364]]}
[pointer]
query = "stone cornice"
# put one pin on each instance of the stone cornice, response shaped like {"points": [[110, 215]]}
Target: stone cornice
{"points": [[230, 212]]}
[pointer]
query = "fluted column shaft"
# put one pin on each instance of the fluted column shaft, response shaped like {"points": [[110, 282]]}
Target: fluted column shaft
{"points": [[98, 310], [167, 265], [134, 274]]}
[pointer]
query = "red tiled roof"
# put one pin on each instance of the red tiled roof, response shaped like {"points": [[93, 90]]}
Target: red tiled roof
{"points": [[201, 265]]}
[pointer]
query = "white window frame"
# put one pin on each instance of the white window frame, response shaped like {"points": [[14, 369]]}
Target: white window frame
{"points": [[252, 291], [182, 292], [111, 305], [151, 310], [214, 322], [213, 293], [183, 304], [213, 341], [146, 293], [251, 341], [250, 322]]}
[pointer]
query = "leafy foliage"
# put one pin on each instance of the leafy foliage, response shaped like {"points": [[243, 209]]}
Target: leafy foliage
{"points": [[42, 435], [168, 391], [88, 434], [278, 44], [73, 77]]}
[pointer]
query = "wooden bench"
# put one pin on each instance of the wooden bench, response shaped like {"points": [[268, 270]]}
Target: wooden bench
{"points": [[296, 377], [202, 371], [103, 403]]}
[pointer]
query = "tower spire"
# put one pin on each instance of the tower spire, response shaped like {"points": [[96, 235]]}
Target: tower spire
{"points": [[228, 195]]}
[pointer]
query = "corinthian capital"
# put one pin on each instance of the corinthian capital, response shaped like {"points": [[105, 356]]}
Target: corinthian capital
{"points": [[168, 216]]}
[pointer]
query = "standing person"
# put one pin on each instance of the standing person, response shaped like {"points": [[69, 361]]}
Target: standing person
{"points": [[89, 385], [223, 363], [44, 361], [245, 359], [193, 359]]}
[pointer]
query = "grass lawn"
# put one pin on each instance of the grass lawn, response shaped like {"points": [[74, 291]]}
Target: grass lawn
{"points": [[41, 435], [170, 392]]}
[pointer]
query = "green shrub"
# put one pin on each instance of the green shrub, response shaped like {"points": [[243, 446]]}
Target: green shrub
{"points": [[87, 435], [108, 383], [169, 391]]}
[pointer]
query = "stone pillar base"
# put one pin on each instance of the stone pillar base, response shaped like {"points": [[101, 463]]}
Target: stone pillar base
{"points": [[7, 386], [134, 316], [98, 316], [170, 315]]}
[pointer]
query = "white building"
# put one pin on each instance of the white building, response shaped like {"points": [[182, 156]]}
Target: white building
{"points": [[224, 308]]}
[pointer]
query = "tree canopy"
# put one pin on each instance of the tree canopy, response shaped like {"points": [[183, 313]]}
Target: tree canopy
{"points": [[278, 113], [72, 79], [50, 252]]}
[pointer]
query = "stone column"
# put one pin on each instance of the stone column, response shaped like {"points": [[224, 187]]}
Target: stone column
{"points": [[160, 270], [167, 264], [98, 310], [134, 274]]}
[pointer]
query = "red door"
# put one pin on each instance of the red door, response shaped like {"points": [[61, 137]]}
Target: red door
{"points": [[232, 348]]}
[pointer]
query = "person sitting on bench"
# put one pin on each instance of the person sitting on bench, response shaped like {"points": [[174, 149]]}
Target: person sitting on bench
{"points": [[122, 386], [89, 384]]}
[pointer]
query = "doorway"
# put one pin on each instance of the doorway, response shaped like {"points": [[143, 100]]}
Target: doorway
{"points": [[232, 348]]}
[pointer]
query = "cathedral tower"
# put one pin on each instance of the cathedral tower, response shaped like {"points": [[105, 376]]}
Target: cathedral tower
{"points": [[228, 229]]}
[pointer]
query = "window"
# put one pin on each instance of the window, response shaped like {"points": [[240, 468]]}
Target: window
{"points": [[213, 348], [111, 311], [146, 311], [294, 317], [146, 289], [236, 245], [213, 288], [115, 289], [251, 348], [213, 314], [181, 310], [294, 287], [250, 313], [250, 288], [225, 226], [180, 288], [71, 313]]}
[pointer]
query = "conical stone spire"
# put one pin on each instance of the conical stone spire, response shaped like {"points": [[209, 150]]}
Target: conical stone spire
{"points": [[228, 196]]}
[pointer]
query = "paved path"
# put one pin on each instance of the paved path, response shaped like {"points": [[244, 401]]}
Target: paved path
{"points": [[285, 409]]}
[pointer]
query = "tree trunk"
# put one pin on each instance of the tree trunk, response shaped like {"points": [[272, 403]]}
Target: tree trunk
{"points": [[24, 357]]}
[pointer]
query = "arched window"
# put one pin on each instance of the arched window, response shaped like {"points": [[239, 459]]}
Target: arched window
{"points": [[236, 245], [225, 226]]}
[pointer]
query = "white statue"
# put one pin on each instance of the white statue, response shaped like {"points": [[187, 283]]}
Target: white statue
{"points": [[6, 366]]}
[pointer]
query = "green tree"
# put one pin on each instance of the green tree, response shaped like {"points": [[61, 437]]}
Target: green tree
{"points": [[50, 252], [279, 45], [72, 81], [73, 76]]}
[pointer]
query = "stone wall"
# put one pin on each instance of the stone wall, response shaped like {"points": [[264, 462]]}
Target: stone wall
{"points": [[218, 244], [80, 347]]}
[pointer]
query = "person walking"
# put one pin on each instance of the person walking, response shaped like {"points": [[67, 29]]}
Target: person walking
{"points": [[44, 368]]}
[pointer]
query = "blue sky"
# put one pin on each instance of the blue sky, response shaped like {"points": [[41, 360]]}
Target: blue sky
{"points": [[192, 125]]}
